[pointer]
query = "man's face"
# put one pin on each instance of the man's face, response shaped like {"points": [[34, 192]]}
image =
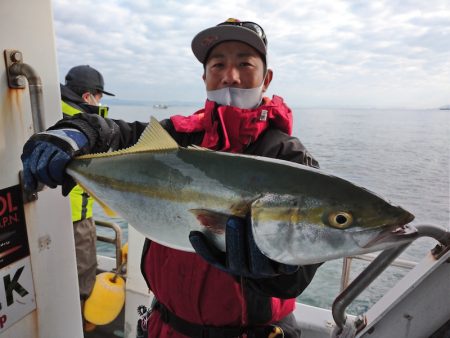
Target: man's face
{"points": [[235, 64]]}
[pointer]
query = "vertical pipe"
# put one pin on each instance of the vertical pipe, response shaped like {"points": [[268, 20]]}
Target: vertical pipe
{"points": [[346, 268], [36, 94]]}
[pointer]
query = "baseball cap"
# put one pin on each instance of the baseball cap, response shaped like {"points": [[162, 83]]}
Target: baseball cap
{"points": [[86, 77], [232, 29]]}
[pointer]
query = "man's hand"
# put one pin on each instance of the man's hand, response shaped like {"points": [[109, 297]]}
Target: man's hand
{"points": [[46, 155], [242, 257]]}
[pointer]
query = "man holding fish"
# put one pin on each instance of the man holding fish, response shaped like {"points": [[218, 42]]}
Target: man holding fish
{"points": [[235, 290]]}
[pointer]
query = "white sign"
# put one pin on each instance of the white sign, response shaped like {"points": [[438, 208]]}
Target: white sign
{"points": [[17, 297]]}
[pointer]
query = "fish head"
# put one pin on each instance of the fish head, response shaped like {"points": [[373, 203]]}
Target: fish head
{"points": [[312, 229], [367, 225], [364, 215]]}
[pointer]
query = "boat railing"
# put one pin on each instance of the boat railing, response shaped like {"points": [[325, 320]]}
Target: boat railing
{"points": [[347, 263], [376, 267], [116, 240]]}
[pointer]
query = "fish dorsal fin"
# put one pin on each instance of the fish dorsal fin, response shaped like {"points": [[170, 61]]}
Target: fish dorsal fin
{"points": [[153, 138]]}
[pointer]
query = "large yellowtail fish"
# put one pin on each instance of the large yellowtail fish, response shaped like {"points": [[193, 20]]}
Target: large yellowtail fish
{"points": [[298, 215]]}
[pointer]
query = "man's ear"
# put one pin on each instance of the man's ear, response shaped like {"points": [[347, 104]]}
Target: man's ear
{"points": [[86, 97], [204, 76], [267, 79]]}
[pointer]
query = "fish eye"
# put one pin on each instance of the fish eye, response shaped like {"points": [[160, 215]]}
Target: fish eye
{"points": [[340, 219]]}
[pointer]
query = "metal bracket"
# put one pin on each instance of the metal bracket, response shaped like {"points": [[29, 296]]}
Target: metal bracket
{"points": [[18, 75], [44, 242], [438, 233], [13, 57], [440, 250], [17, 72]]}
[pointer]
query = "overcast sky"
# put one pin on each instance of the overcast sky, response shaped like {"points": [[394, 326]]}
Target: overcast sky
{"points": [[329, 53]]}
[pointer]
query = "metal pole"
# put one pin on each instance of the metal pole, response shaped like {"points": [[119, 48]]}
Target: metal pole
{"points": [[438, 233], [36, 94], [345, 276]]}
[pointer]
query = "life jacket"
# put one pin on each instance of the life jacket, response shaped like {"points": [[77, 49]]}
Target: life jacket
{"points": [[238, 127], [186, 284], [80, 201]]}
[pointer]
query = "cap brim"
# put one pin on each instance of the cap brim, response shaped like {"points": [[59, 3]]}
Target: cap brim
{"points": [[204, 41], [106, 93]]}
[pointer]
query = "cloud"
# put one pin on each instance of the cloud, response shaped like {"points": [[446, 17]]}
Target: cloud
{"points": [[378, 53]]}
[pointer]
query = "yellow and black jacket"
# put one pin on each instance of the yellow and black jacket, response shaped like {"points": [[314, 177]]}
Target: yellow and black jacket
{"points": [[71, 104]]}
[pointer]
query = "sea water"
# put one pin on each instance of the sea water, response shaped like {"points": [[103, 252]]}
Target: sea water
{"points": [[402, 155]]}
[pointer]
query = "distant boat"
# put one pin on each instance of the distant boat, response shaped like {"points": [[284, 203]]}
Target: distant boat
{"points": [[160, 106], [447, 107]]}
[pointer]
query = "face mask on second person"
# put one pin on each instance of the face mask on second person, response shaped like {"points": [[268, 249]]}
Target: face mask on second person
{"points": [[93, 101]]}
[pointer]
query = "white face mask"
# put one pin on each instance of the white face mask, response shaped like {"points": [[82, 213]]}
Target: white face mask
{"points": [[93, 101], [237, 97]]}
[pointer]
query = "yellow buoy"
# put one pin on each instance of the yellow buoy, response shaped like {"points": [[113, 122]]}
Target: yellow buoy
{"points": [[125, 252], [106, 300]]}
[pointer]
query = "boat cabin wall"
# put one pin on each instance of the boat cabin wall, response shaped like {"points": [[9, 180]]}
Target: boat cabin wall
{"points": [[37, 255]]}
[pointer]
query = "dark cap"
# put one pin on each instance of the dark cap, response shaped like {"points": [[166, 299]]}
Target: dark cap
{"points": [[231, 30], [86, 77]]}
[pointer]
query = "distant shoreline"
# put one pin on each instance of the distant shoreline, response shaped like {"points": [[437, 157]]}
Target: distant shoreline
{"points": [[138, 103], [118, 102]]}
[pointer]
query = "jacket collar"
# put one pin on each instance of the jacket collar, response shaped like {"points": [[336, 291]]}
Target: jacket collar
{"points": [[232, 129]]}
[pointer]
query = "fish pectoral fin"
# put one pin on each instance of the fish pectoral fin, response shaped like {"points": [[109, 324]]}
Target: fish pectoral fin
{"points": [[211, 220], [275, 208]]}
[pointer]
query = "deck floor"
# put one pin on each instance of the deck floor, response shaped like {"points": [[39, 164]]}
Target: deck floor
{"points": [[112, 330]]}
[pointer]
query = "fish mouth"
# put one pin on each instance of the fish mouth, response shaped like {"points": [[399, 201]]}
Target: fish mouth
{"points": [[396, 234]]}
